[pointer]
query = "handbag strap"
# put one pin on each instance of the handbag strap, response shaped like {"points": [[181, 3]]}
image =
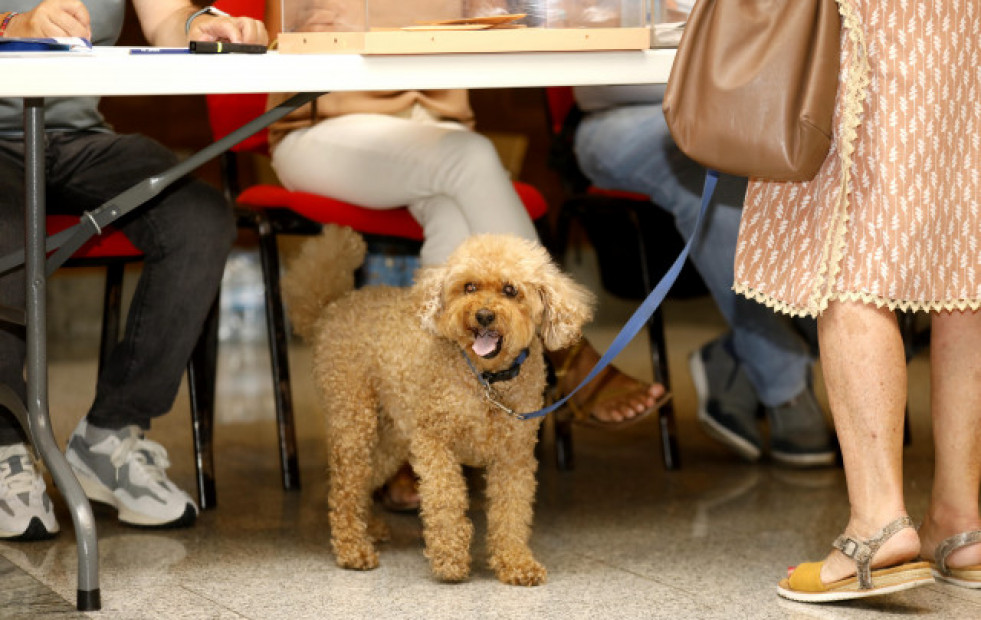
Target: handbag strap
{"points": [[643, 313]]}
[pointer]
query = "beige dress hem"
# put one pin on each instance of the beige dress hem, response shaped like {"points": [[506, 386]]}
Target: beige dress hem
{"points": [[854, 92]]}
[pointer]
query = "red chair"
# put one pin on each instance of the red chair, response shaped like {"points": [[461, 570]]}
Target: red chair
{"points": [[635, 243], [114, 251], [273, 210]]}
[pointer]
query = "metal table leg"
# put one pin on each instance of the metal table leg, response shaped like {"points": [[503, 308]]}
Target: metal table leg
{"points": [[35, 417], [38, 420]]}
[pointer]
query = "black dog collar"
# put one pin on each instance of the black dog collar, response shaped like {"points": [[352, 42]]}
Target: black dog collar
{"points": [[486, 378], [507, 374]]}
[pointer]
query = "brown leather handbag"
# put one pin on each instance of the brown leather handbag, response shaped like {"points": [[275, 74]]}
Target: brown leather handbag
{"points": [[752, 89]]}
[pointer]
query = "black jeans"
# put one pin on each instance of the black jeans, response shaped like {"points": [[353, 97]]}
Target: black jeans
{"points": [[185, 233]]}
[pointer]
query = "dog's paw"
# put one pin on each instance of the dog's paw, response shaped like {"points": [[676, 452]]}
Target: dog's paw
{"points": [[521, 572], [356, 556], [451, 570]]}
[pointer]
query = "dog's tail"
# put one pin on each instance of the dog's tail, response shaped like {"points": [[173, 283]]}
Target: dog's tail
{"points": [[322, 271]]}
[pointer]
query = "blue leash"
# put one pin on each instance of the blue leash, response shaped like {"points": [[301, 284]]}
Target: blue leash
{"points": [[640, 317]]}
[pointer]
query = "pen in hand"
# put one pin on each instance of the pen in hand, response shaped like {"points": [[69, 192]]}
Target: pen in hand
{"points": [[223, 47]]}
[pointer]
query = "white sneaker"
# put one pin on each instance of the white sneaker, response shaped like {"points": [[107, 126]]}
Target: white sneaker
{"points": [[123, 469], [26, 512]]}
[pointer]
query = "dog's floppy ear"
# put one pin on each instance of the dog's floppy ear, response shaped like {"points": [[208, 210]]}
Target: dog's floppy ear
{"points": [[567, 307], [429, 287]]}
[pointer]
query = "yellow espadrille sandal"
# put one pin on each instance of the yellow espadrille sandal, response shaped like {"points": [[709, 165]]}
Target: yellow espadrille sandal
{"points": [[804, 583]]}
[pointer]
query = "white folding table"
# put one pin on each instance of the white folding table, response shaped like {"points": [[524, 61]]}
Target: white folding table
{"points": [[112, 71]]}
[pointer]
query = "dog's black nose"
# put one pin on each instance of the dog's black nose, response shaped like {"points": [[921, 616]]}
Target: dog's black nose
{"points": [[485, 317]]}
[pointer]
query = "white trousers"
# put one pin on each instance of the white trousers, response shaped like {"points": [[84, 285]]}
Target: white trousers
{"points": [[449, 177]]}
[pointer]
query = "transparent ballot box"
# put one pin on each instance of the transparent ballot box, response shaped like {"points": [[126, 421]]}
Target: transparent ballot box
{"points": [[448, 26], [668, 18]]}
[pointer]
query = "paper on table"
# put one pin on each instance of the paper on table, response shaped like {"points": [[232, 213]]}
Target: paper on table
{"points": [[42, 44], [490, 20], [471, 23]]}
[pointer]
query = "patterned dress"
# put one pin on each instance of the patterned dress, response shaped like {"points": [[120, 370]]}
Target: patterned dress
{"points": [[894, 215]]}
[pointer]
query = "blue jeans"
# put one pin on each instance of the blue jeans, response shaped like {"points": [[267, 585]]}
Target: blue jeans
{"points": [[185, 234], [629, 148]]}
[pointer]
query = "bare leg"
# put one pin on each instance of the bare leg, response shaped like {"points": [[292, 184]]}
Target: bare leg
{"points": [[955, 378], [865, 373], [400, 493]]}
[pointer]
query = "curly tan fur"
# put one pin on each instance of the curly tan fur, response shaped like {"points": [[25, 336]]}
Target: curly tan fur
{"points": [[307, 289], [391, 367]]}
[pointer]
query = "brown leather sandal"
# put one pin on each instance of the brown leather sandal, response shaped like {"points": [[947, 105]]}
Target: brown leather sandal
{"points": [[583, 414], [403, 478]]}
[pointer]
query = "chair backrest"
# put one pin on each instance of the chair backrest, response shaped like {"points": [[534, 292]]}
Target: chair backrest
{"points": [[226, 113], [243, 8], [563, 117], [560, 103]]}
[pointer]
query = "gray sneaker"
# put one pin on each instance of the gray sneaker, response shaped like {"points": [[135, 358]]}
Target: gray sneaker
{"points": [[125, 470], [727, 403], [799, 433], [26, 512]]}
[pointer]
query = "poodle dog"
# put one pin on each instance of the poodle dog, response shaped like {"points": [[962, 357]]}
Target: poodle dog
{"points": [[435, 374]]}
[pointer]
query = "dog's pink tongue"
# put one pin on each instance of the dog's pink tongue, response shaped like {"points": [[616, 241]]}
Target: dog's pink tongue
{"points": [[485, 343]]}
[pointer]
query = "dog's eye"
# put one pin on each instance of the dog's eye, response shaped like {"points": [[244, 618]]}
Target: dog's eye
{"points": [[509, 290], [469, 287]]}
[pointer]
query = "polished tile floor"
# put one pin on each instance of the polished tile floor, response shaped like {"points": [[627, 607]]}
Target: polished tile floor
{"points": [[621, 537]]}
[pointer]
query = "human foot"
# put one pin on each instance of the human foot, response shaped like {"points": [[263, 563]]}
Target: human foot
{"points": [[727, 402], [401, 492], [861, 567], [953, 548], [124, 469], [610, 398], [799, 434], [26, 513], [901, 547]]}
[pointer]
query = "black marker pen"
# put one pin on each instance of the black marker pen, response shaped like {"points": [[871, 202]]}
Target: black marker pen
{"points": [[221, 47]]}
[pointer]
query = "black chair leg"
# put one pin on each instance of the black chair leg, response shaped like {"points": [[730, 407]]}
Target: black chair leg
{"points": [[565, 458], [201, 375], [112, 301], [278, 348], [665, 415], [659, 359], [562, 427]]}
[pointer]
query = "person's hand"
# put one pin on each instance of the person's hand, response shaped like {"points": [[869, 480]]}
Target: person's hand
{"points": [[52, 18], [229, 29]]}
